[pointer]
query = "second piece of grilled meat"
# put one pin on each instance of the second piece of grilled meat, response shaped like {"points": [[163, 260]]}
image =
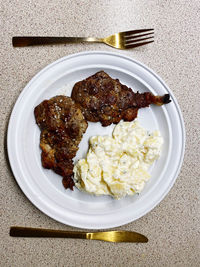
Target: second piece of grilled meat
{"points": [[62, 126], [104, 99]]}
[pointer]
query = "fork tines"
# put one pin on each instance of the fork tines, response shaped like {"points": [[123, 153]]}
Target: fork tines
{"points": [[133, 38]]}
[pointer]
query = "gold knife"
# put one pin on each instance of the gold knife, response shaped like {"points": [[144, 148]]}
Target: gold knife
{"points": [[109, 236]]}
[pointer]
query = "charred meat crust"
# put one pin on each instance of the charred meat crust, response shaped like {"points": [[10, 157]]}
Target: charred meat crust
{"points": [[62, 126], [166, 99], [62, 120], [104, 99]]}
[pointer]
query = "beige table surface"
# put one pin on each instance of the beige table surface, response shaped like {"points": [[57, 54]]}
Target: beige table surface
{"points": [[173, 226]]}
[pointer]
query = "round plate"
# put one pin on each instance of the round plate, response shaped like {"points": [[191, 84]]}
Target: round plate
{"points": [[44, 188]]}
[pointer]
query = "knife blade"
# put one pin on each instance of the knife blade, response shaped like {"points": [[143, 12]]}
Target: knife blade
{"points": [[108, 236]]}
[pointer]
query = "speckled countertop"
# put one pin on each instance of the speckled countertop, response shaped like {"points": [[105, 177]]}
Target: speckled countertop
{"points": [[173, 226]]}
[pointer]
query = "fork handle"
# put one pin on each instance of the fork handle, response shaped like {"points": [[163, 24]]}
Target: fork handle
{"points": [[20, 41]]}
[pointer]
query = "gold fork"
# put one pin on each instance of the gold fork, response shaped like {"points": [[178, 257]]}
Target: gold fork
{"points": [[121, 40]]}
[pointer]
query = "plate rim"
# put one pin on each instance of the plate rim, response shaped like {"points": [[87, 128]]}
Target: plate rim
{"points": [[40, 72]]}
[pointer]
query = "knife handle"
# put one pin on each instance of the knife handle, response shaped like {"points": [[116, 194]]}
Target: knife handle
{"points": [[38, 232]]}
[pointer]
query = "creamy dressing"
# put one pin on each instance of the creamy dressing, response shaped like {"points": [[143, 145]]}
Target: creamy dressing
{"points": [[118, 165]]}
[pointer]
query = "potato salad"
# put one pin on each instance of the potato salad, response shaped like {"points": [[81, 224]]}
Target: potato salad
{"points": [[118, 165]]}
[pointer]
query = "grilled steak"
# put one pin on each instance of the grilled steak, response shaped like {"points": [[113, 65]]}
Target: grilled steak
{"points": [[62, 126], [104, 99]]}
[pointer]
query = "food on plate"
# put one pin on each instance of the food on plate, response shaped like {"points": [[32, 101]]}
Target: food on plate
{"points": [[118, 165], [104, 99], [62, 126], [63, 121]]}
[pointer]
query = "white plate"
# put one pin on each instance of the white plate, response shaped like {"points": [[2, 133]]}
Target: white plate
{"points": [[44, 188]]}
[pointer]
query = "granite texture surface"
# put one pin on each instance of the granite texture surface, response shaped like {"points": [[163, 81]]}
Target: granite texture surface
{"points": [[172, 227]]}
